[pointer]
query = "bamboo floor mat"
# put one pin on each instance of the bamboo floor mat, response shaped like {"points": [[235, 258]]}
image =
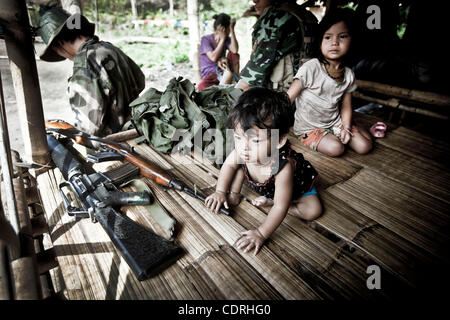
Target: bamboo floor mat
{"points": [[389, 208]]}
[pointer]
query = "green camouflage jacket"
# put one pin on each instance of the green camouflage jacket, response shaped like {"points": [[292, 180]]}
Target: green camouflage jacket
{"points": [[275, 34], [103, 84]]}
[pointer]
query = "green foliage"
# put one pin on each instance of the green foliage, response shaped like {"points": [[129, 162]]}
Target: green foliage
{"points": [[234, 8], [149, 55], [350, 5], [121, 9], [115, 21], [401, 28]]}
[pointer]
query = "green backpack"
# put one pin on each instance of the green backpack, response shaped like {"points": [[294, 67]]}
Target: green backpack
{"points": [[178, 119]]}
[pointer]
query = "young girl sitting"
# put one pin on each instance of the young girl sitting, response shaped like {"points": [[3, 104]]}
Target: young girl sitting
{"points": [[262, 156], [322, 93]]}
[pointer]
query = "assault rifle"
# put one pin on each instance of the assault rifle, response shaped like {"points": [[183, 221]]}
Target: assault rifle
{"points": [[144, 251], [116, 151]]}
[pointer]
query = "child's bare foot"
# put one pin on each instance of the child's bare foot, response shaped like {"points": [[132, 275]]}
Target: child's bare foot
{"points": [[262, 202]]}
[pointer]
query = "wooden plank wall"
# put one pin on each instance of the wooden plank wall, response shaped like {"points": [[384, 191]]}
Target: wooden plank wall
{"points": [[388, 208]]}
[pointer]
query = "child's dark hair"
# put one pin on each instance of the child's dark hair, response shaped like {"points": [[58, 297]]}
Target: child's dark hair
{"points": [[264, 108], [221, 19], [334, 16]]}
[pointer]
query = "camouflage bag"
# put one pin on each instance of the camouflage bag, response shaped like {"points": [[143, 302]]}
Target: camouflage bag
{"points": [[176, 119], [216, 103]]}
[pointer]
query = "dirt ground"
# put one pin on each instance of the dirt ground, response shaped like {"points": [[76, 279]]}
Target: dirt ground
{"points": [[53, 84]]}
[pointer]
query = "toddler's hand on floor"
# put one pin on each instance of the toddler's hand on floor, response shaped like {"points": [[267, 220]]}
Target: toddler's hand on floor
{"points": [[250, 239], [215, 201]]}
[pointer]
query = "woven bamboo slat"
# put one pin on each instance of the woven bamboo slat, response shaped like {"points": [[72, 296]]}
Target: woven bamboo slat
{"points": [[325, 166], [417, 145], [236, 280], [191, 172], [296, 248], [343, 277], [408, 141], [385, 248], [402, 209], [388, 208], [213, 272], [331, 251], [341, 220], [205, 164], [54, 213], [87, 258], [104, 265], [426, 176], [196, 206], [400, 257]]}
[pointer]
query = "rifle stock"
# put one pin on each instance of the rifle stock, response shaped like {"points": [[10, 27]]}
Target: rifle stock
{"points": [[144, 251]]}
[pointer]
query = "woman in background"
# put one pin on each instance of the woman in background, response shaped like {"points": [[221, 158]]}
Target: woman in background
{"points": [[213, 58]]}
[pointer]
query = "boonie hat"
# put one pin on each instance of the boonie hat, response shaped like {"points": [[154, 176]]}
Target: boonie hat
{"points": [[53, 22]]}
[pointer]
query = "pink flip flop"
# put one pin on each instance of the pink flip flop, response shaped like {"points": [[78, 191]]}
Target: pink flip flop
{"points": [[378, 130]]}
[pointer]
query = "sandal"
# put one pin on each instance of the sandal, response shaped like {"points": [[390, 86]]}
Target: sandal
{"points": [[378, 130]]}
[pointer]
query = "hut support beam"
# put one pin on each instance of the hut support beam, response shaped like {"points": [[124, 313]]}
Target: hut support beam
{"points": [[18, 39], [6, 166]]}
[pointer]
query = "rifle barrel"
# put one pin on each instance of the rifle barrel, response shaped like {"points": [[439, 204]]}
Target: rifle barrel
{"points": [[196, 195]]}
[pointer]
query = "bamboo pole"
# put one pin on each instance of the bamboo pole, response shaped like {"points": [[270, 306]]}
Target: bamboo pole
{"points": [[395, 103], [194, 37], [17, 32], [25, 287], [171, 8], [96, 15], [5, 280], [25, 230], [410, 94], [8, 235], [6, 166]]}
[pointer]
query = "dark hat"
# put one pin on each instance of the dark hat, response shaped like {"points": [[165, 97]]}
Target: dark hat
{"points": [[53, 22]]}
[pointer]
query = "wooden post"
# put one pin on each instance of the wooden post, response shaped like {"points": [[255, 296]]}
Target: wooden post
{"points": [[5, 281], [134, 9], [96, 14], [194, 38], [171, 8], [134, 13], [430, 98], [14, 19], [395, 103], [6, 166]]}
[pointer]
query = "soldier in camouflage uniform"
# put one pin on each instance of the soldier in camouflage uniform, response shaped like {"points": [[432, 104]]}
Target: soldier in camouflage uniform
{"points": [[278, 32], [104, 79]]}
